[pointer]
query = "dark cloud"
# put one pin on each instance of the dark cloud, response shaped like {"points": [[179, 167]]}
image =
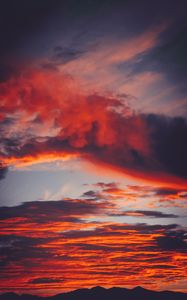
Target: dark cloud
{"points": [[45, 280], [170, 59], [89, 19], [165, 191], [167, 58], [61, 56], [173, 241], [15, 248], [145, 213], [156, 214], [47, 211], [117, 229], [163, 267], [92, 194], [64, 55], [169, 139], [103, 185], [3, 170]]}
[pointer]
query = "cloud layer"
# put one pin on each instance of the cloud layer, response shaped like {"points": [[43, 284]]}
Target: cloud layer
{"points": [[45, 244]]}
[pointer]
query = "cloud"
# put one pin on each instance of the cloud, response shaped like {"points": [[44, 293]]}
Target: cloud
{"points": [[166, 192], [54, 239], [61, 56], [69, 210], [145, 213], [169, 136], [173, 241], [65, 55], [46, 115], [55, 254], [165, 64], [92, 194], [45, 280], [15, 247], [104, 129], [168, 197], [3, 171], [105, 185], [168, 57], [132, 197], [109, 53]]}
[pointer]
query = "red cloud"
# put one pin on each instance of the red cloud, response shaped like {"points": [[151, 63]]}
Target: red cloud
{"points": [[50, 116]]}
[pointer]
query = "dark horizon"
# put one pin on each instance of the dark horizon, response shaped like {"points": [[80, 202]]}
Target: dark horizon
{"points": [[109, 293]]}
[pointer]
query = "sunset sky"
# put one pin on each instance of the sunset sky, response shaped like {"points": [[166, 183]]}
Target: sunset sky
{"points": [[93, 145]]}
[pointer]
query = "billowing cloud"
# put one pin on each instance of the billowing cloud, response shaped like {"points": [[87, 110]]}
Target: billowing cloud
{"points": [[59, 120]]}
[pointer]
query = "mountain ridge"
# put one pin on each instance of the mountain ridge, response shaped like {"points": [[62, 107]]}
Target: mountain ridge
{"points": [[99, 292]]}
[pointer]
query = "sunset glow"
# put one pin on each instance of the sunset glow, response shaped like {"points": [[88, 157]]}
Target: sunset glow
{"points": [[93, 164]]}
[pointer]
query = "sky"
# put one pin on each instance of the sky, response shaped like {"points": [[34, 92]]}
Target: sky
{"points": [[93, 143]]}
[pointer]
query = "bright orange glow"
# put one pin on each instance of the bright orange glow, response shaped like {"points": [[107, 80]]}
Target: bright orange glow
{"points": [[37, 159], [109, 255]]}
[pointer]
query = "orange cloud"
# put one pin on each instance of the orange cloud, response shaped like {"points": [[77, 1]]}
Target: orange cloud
{"points": [[29, 160], [38, 248]]}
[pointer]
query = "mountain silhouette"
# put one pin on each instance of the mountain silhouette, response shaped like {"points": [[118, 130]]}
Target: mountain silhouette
{"points": [[97, 293]]}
